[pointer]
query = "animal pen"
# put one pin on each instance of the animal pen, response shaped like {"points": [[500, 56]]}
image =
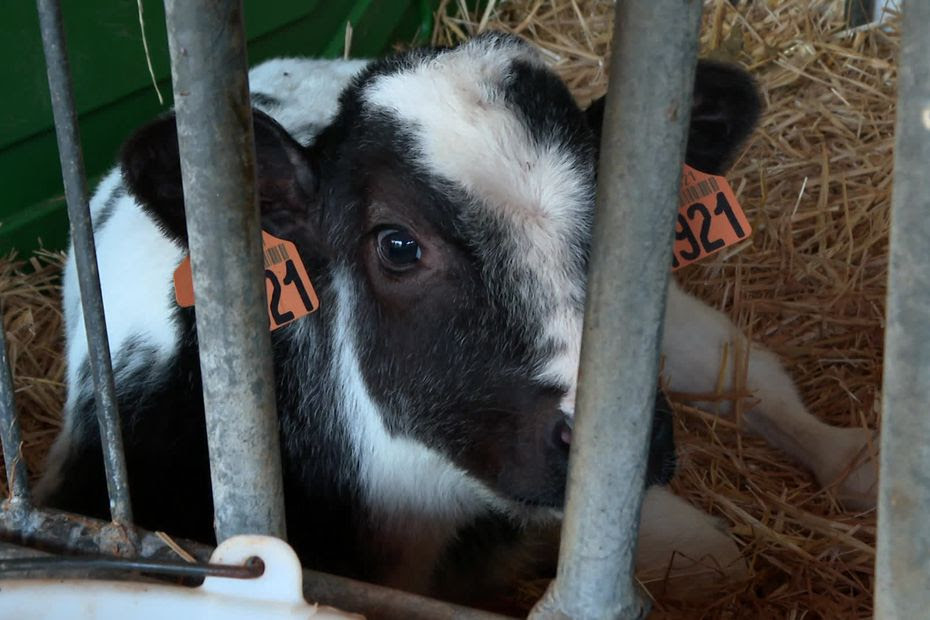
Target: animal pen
{"points": [[629, 254]]}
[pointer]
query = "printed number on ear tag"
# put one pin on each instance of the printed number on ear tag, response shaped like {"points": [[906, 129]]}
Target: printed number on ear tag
{"points": [[288, 288], [709, 218]]}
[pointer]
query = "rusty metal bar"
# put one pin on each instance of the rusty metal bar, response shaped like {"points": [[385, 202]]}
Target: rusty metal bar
{"points": [[8, 550], [55, 565], [59, 532], [214, 119], [646, 118], [903, 553], [16, 475], [85, 255], [377, 602]]}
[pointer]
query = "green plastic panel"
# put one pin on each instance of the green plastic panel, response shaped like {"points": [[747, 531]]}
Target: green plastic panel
{"points": [[114, 92]]}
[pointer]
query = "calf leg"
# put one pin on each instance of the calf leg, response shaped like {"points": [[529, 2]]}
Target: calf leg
{"points": [[683, 553], [693, 344]]}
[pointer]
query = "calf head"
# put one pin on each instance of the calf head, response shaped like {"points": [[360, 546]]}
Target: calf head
{"points": [[445, 217]]}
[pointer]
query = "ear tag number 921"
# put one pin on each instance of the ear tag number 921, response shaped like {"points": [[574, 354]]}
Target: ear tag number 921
{"points": [[709, 218], [289, 290]]}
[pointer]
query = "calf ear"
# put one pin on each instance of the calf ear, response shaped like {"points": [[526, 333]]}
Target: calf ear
{"points": [[152, 172], [287, 187], [725, 109]]}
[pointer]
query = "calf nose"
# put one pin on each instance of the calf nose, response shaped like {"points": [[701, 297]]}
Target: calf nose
{"points": [[562, 434]]}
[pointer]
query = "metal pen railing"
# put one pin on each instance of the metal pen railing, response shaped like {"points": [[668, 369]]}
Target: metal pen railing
{"points": [[16, 475], [214, 120], [903, 552], [85, 255], [648, 106]]}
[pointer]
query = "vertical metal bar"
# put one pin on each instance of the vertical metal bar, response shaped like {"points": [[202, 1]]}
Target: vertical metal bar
{"points": [[85, 254], [16, 477], [642, 149], [903, 554], [214, 117]]}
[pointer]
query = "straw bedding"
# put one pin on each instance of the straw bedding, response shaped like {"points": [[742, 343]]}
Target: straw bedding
{"points": [[815, 181], [30, 293]]}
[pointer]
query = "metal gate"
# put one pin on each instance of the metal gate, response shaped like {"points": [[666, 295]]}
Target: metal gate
{"points": [[600, 527]]}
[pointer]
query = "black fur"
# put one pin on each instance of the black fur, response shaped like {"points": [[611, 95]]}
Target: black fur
{"points": [[725, 109], [264, 100], [151, 167], [662, 459]]}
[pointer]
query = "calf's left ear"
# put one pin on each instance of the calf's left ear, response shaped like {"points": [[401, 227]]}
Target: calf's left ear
{"points": [[725, 109], [287, 187]]}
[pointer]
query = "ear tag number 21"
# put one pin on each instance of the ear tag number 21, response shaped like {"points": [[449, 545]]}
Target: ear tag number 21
{"points": [[709, 218], [289, 291]]}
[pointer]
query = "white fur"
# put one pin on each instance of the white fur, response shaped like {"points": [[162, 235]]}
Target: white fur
{"points": [[563, 368], [136, 264], [682, 552], [694, 339], [308, 90]]}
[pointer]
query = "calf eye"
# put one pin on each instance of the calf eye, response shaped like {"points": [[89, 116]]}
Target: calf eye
{"points": [[397, 249]]}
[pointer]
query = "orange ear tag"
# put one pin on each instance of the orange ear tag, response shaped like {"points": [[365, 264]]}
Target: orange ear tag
{"points": [[709, 218], [289, 290]]}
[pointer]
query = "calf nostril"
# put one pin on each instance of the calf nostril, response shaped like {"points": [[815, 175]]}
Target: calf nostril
{"points": [[562, 434]]}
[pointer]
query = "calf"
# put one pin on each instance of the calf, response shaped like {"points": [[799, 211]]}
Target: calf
{"points": [[441, 200]]}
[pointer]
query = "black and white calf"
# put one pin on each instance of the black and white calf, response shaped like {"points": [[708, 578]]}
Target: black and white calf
{"points": [[441, 201]]}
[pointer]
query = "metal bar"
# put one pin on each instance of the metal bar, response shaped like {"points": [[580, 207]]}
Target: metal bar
{"points": [[60, 532], [377, 602], [214, 118], [55, 565], [16, 475], [903, 553], [85, 255], [10, 551], [65, 533], [642, 150]]}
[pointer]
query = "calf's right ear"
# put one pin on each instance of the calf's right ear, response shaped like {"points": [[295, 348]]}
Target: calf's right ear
{"points": [[724, 110], [151, 169], [286, 182]]}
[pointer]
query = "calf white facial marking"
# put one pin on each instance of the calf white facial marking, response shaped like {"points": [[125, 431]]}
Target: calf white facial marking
{"points": [[537, 188], [399, 475]]}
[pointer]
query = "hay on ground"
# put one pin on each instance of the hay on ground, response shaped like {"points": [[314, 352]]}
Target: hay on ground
{"points": [[30, 300]]}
